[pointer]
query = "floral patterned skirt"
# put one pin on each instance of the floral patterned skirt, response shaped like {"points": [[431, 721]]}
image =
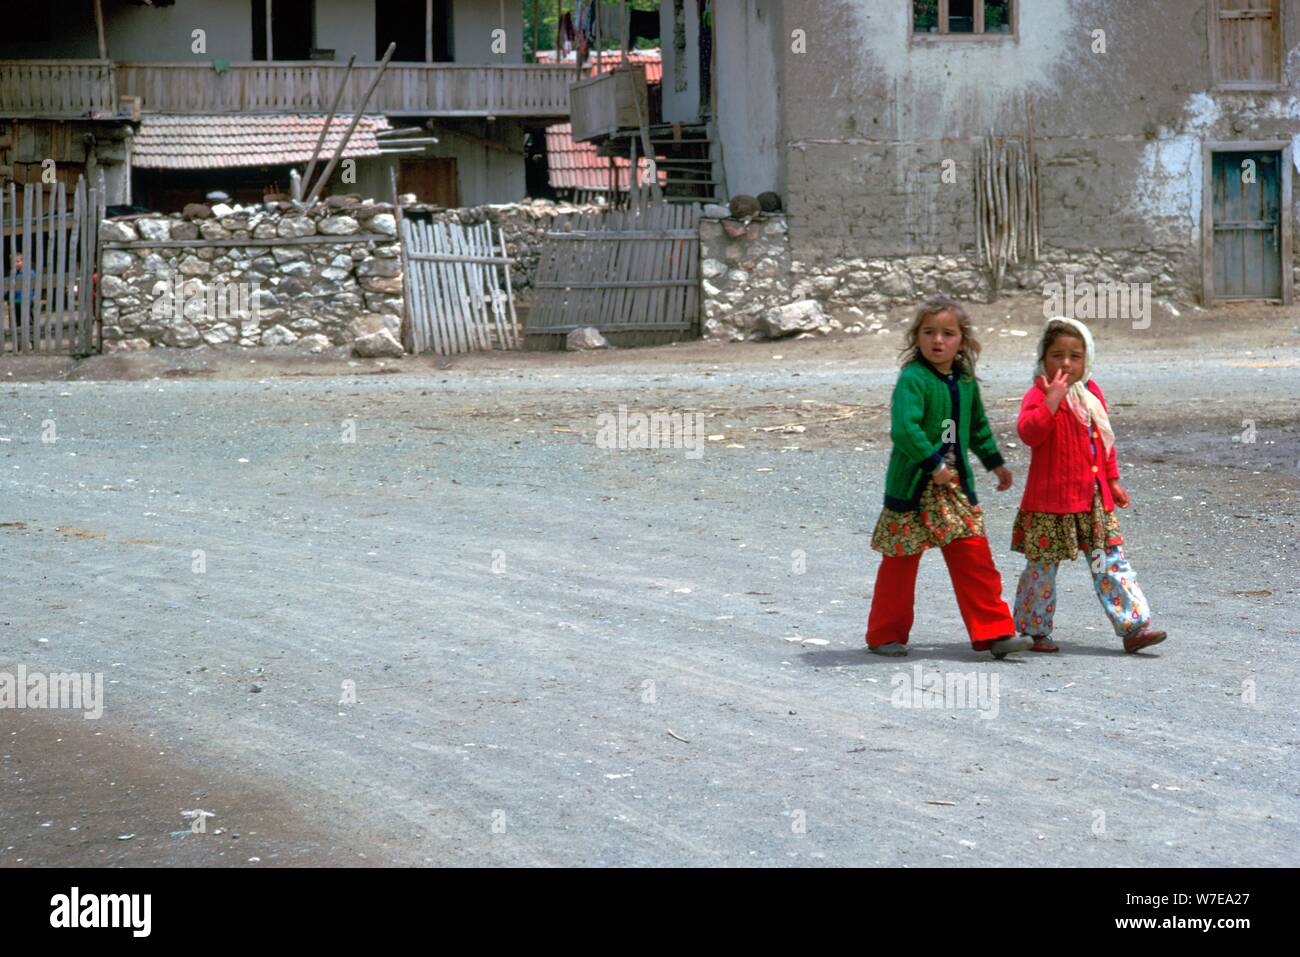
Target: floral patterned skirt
{"points": [[1048, 537], [944, 515]]}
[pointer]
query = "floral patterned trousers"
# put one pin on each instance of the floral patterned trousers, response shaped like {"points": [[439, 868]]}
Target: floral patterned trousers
{"points": [[1112, 579]]}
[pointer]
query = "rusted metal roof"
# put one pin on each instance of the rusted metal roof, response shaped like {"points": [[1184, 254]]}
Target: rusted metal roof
{"points": [[573, 165], [171, 141], [653, 62]]}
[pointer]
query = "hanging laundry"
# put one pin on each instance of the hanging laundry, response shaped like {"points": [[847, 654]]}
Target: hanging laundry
{"points": [[612, 22]]}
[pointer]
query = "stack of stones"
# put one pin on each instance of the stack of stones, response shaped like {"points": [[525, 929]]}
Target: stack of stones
{"points": [[312, 295]]}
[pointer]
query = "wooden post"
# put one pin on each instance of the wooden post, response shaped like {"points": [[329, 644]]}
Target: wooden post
{"points": [[537, 31], [361, 108], [269, 52], [559, 15], [428, 31], [99, 30], [320, 140]]}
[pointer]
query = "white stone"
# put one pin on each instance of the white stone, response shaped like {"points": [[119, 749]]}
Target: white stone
{"points": [[193, 266], [384, 223], [377, 345], [335, 274], [159, 230], [112, 287], [315, 343], [293, 226], [338, 226], [802, 316], [588, 337], [115, 232], [116, 261], [711, 268], [221, 209], [278, 336]]}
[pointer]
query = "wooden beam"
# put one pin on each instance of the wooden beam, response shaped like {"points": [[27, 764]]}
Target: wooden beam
{"points": [[99, 30], [428, 31], [270, 53]]}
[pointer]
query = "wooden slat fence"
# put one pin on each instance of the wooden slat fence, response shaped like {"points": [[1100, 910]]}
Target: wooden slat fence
{"points": [[48, 305], [635, 270], [456, 300]]}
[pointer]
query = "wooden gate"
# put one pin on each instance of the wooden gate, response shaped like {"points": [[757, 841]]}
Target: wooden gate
{"points": [[634, 274], [455, 300], [1248, 227], [47, 268]]}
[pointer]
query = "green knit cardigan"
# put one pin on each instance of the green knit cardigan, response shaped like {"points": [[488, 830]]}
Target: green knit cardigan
{"points": [[921, 406]]}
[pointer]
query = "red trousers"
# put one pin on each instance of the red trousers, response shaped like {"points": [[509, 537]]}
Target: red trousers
{"points": [[975, 579]]}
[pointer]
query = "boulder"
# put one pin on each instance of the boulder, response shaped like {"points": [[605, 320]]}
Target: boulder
{"points": [[159, 230], [715, 211], [313, 343], [384, 223], [185, 231], [378, 345], [806, 315], [581, 340], [372, 322]]}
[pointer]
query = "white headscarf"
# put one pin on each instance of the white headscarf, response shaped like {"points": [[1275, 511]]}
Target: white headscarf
{"points": [[1085, 406]]}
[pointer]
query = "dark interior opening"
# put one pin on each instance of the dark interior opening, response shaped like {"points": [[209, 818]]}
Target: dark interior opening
{"points": [[293, 26], [402, 22]]}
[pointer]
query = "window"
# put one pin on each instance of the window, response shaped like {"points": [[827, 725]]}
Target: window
{"points": [[963, 19], [1246, 44]]}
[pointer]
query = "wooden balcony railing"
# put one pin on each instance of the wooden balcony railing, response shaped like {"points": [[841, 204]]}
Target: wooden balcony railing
{"points": [[433, 89], [93, 88], [57, 88]]}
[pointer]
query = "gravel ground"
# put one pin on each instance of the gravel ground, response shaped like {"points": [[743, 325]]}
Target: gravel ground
{"points": [[570, 655]]}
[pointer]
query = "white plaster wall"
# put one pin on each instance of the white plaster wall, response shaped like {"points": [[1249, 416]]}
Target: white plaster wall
{"points": [[163, 34], [748, 108], [346, 27], [472, 23]]}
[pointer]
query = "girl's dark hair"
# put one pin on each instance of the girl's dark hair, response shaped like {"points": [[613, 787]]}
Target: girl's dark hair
{"points": [[969, 352], [1055, 330]]}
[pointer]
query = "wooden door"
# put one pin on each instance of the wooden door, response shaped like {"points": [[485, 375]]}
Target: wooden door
{"points": [[432, 180], [1247, 225]]}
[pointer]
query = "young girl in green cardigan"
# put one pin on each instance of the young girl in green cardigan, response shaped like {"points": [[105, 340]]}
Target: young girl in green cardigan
{"points": [[936, 417]]}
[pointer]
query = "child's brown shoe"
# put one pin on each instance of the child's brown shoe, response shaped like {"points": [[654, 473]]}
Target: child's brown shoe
{"points": [[1044, 644], [1143, 639]]}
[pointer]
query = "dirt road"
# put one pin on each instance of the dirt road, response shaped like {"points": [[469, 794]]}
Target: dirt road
{"points": [[564, 654]]}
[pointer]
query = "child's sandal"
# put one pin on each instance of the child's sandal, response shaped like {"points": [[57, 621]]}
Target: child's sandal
{"points": [[1144, 638], [1044, 644]]}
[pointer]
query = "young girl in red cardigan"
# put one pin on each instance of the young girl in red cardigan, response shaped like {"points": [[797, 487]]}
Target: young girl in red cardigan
{"points": [[936, 417], [1071, 493]]}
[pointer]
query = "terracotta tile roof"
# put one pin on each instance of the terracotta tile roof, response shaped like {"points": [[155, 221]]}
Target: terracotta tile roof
{"points": [[170, 141], [654, 64], [573, 165]]}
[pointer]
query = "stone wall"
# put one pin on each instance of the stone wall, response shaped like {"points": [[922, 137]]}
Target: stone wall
{"points": [[749, 272], [345, 286]]}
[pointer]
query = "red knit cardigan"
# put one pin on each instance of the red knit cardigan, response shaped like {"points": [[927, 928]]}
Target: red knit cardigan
{"points": [[1062, 469]]}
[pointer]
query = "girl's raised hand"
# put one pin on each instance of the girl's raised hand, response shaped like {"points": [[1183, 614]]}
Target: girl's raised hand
{"points": [[1118, 493], [1056, 389], [1005, 479]]}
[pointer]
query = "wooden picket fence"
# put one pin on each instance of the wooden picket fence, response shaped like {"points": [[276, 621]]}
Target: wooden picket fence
{"points": [[455, 299], [48, 305], [633, 273]]}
